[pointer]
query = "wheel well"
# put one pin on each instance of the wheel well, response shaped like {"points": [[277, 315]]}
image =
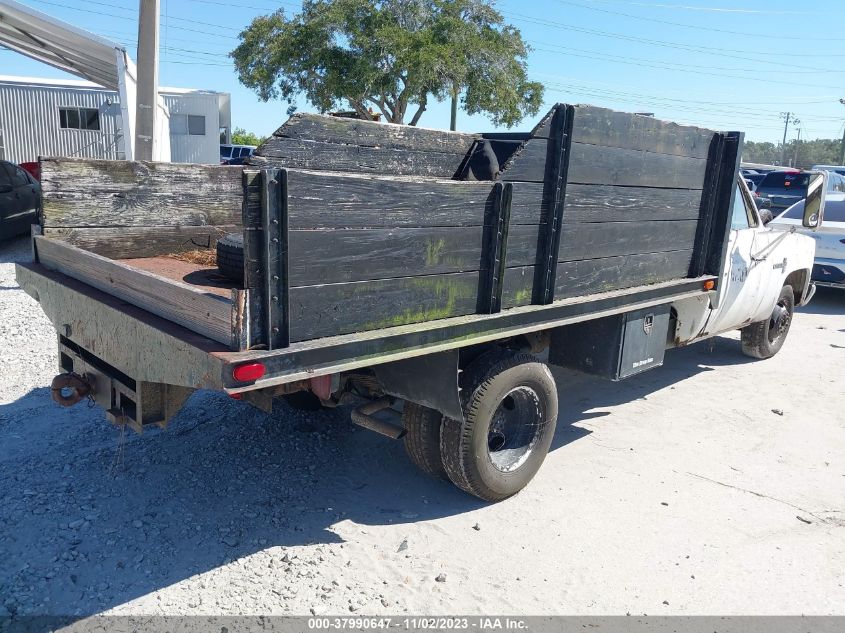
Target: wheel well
{"points": [[797, 279]]}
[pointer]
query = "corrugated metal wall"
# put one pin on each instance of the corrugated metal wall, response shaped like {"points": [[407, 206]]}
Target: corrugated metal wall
{"points": [[29, 124], [187, 148], [29, 118]]}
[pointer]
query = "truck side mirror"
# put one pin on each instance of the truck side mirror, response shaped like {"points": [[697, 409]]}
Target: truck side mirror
{"points": [[814, 202], [766, 215]]}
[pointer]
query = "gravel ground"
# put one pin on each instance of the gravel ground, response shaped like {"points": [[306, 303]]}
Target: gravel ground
{"points": [[714, 485]]}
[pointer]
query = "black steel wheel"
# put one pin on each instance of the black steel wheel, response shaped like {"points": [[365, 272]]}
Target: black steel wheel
{"points": [[510, 412], [765, 338]]}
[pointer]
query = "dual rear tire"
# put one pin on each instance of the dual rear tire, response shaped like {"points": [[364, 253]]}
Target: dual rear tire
{"points": [[510, 410]]}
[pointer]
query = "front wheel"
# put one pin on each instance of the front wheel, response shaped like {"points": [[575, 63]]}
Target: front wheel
{"points": [[765, 338], [510, 412]]}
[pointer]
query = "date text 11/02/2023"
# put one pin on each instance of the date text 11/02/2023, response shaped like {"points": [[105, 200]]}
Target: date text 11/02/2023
{"points": [[417, 623]]}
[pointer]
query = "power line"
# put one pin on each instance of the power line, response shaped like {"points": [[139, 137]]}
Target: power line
{"points": [[722, 52], [781, 36]]}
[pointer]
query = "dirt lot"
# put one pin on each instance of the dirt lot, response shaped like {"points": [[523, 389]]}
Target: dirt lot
{"points": [[714, 485]]}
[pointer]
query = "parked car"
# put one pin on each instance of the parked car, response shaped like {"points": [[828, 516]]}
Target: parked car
{"points": [[829, 264], [235, 154], [784, 188], [33, 168], [20, 194], [754, 180], [839, 169]]}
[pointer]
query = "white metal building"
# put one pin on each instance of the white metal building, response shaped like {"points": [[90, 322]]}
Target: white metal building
{"points": [[43, 117]]}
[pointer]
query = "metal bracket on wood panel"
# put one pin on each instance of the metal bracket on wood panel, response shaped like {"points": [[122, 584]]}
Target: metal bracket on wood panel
{"points": [[274, 219], [496, 249], [555, 193], [430, 380]]}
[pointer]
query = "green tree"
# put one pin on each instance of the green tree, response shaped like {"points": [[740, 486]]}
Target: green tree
{"points": [[391, 56], [821, 151], [241, 137]]}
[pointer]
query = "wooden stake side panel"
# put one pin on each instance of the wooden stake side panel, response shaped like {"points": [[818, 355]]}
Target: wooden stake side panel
{"points": [[139, 209], [633, 194], [318, 142]]}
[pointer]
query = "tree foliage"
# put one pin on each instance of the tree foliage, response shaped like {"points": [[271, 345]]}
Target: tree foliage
{"points": [[821, 151], [391, 56], [241, 137]]}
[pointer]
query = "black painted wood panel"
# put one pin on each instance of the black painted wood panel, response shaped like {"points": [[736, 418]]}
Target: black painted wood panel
{"points": [[607, 239], [328, 310], [609, 128], [349, 201], [603, 203]]}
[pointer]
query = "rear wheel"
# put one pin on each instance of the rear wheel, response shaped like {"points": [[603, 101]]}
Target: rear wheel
{"points": [[510, 412], [765, 338], [422, 439]]}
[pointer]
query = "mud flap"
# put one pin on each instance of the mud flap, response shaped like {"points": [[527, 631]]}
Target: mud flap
{"points": [[430, 380]]}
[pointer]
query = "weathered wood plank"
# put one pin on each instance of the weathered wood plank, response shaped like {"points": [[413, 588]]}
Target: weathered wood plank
{"points": [[329, 129], [302, 154], [593, 164], [608, 239], [190, 307], [353, 201], [603, 203], [327, 256], [604, 274], [600, 126], [609, 128], [528, 163], [337, 256], [141, 241], [328, 310], [518, 286], [614, 273], [107, 193], [528, 205]]}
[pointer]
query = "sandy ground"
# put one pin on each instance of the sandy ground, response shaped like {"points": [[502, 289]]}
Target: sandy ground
{"points": [[677, 492]]}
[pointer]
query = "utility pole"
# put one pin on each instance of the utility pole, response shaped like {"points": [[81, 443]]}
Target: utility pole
{"points": [[786, 116], [147, 100], [842, 161], [797, 123]]}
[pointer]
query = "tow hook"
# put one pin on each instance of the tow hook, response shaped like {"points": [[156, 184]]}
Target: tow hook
{"points": [[68, 389]]}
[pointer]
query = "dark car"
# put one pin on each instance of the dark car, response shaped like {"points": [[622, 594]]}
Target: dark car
{"points": [[755, 179], [235, 154], [784, 188], [20, 195]]}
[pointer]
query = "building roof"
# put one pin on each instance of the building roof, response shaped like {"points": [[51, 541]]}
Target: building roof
{"points": [[61, 45], [42, 82]]}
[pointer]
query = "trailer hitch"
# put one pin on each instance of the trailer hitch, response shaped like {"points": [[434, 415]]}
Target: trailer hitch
{"points": [[68, 389]]}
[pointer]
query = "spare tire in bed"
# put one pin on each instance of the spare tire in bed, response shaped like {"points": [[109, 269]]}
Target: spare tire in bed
{"points": [[230, 256]]}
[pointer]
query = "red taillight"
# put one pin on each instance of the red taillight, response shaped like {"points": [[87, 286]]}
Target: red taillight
{"points": [[249, 372]]}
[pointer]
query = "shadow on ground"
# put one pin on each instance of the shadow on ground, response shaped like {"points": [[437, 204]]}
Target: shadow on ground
{"points": [[93, 517]]}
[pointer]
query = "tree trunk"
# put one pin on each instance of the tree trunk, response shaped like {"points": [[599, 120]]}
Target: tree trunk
{"points": [[453, 124], [420, 110]]}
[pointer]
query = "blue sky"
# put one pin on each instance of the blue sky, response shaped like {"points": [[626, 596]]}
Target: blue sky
{"points": [[723, 64]]}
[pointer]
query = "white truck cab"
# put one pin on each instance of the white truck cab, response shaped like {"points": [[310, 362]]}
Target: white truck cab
{"points": [[766, 274]]}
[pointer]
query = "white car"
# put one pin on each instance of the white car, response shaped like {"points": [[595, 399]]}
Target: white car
{"points": [[829, 265]]}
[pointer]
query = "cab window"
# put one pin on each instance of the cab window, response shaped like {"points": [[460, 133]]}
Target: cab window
{"points": [[742, 217]]}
